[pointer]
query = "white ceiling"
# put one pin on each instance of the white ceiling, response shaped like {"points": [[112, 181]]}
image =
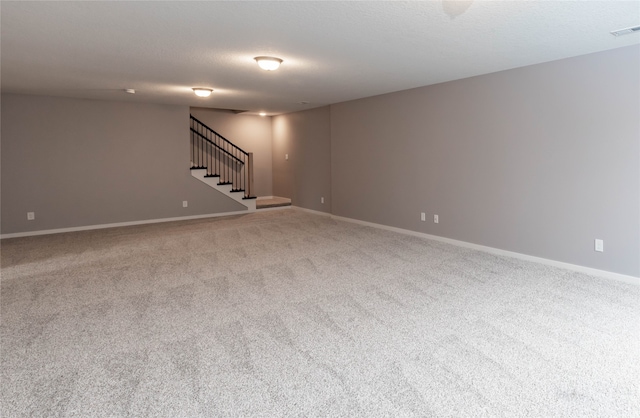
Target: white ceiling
{"points": [[332, 51]]}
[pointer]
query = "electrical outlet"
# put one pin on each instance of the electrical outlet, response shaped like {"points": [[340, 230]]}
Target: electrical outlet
{"points": [[286, 156], [31, 216], [423, 216], [436, 219], [322, 200], [185, 203], [599, 245]]}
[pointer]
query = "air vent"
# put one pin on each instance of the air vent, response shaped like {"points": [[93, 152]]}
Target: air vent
{"points": [[625, 31]]}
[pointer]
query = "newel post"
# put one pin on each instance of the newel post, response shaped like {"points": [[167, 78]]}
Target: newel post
{"points": [[250, 174]]}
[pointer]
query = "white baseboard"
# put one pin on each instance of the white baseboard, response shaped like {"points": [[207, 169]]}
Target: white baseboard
{"points": [[118, 224], [568, 266], [264, 197]]}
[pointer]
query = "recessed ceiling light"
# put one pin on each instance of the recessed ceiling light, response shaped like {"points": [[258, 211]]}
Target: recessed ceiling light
{"points": [[202, 91], [268, 63], [130, 91], [262, 114], [625, 31]]}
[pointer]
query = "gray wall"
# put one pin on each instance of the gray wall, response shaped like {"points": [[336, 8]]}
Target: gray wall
{"points": [[306, 176], [249, 132], [83, 162], [540, 160]]}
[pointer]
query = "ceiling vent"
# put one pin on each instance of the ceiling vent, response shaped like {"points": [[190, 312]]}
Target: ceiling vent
{"points": [[625, 31]]}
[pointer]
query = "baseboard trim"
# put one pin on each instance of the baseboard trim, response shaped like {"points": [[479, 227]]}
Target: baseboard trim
{"points": [[315, 212], [568, 266], [496, 251], [264, 197], [119, 224]]}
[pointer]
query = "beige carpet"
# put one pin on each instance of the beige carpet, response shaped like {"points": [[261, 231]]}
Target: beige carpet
{"points": [[286, 313]]}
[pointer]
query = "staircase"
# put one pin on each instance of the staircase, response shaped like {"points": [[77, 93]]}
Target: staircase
{"points": [[220, 164]]}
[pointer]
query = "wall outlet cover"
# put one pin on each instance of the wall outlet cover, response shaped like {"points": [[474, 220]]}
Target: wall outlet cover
{"points": [[599, 245]]}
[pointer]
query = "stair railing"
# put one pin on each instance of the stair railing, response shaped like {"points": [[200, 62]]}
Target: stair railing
{"points": [[221, 158]]}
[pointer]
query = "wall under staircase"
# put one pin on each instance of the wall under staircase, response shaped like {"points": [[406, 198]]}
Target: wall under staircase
{"points": [[224, 188]]}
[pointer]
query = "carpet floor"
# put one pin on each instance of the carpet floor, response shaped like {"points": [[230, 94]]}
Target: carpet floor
{"points": [[291, 314]]}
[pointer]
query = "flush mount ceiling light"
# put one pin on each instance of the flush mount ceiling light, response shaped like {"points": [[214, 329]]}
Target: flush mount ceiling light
{"points": [[268, 63], [262, 114], [130, 91], [625, 31], [202, 91]]}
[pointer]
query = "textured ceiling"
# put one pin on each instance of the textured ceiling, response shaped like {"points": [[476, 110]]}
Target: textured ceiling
{"points": [[332, 51]]}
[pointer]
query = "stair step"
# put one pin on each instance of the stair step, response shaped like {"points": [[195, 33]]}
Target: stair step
{"points": [[212, 175], [237, 190], [224, 183], [198, 168], [273, 202], [248, 197]]}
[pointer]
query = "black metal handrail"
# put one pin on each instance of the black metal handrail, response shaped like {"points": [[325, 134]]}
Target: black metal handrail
{"points": [[218, 135], [230, 155], [221, 158]]}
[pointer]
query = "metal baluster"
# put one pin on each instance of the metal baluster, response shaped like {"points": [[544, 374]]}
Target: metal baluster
{"points": [[204, 143]]}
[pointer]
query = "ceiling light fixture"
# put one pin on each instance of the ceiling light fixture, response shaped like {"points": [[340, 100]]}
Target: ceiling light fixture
{"points": [[130, 91], [625, 31], [202, 91], [262, 114], [268, 63]]}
